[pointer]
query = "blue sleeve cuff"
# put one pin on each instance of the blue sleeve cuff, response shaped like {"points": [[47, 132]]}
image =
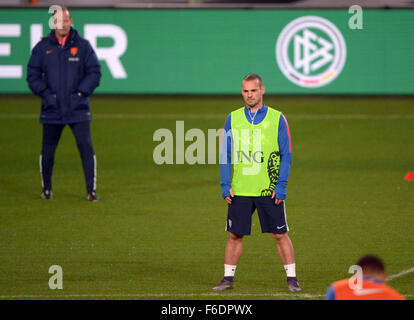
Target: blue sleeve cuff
{"points": [[281, 196], [330, 293], [225, 190]]}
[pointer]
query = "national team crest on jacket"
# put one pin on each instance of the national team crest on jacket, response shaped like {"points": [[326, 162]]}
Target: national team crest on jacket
{"points": [[73, 51]]}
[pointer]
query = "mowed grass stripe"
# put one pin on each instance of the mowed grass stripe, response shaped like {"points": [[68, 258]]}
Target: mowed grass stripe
{"points": [[161, 295], [133, 116]]}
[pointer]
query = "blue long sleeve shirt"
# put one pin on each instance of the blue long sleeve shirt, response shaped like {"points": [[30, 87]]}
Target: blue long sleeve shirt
{"points": [[285, 149]]}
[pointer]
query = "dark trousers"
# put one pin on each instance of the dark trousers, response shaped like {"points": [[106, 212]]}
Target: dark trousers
{"points": [[51, 136]]}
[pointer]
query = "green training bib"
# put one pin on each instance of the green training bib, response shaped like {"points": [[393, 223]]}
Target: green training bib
{"points": [[256, 157]]}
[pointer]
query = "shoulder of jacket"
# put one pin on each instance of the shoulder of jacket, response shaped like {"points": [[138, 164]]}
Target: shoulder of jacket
{"points": [[341, 283], [83, 43], [44, 41], [80, 39]]}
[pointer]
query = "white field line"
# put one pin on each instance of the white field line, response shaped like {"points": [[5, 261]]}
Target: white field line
{"points": [[189, 295], [163, 295], [170, 295], [135, 116], [400, 274]]}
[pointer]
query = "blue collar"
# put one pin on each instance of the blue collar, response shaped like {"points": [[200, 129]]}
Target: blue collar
{"points": [[372, 280]]}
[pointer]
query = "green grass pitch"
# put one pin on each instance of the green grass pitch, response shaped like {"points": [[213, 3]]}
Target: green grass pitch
{"points": [[158, 232]]}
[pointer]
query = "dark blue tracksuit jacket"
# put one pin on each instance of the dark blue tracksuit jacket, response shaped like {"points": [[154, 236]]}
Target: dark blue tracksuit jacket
{"points": [[58, 73]]}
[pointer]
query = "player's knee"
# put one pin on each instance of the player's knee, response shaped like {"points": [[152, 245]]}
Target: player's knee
{"points": [[280, 236], [235, 237]]}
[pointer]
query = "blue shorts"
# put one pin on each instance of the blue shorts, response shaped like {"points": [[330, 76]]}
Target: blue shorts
{"points": [[272, 217]]}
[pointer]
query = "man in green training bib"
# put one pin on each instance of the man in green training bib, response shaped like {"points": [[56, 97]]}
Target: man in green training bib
{"points": [[255, 159]]}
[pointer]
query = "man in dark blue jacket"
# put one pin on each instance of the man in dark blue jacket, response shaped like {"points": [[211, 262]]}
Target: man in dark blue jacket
{"points": [[64, 71]]}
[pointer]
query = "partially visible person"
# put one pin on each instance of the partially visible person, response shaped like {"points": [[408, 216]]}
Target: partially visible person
{"points": [[64, 71], [373, 284]]}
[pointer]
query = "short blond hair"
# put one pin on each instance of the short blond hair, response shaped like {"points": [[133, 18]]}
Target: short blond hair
{"points": [[253, 76]]}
